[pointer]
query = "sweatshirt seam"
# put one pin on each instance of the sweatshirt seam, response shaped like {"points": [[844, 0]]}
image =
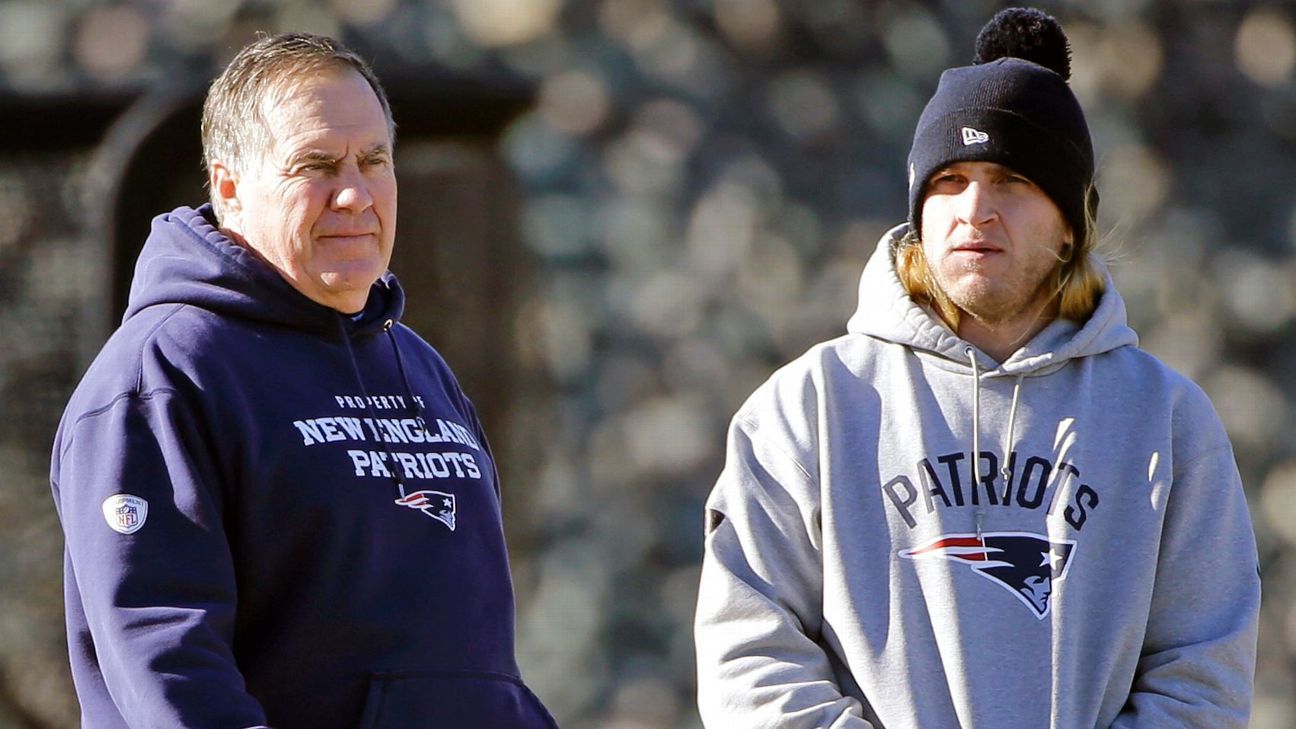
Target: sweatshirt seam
{"points": [[755, 429], [1214, 450], [137, 391], [91, 414]]}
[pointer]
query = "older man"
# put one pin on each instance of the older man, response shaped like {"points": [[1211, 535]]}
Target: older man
{"points": [[984, 507], [279, 507]]}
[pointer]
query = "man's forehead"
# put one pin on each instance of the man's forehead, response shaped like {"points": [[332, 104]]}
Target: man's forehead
{"points": [[326, 145], [331, 113]]}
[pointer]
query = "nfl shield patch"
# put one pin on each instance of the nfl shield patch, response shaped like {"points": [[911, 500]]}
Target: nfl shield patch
{"points": [[125, 513]]}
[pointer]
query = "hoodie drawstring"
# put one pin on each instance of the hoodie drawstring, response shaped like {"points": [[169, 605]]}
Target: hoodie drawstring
{"points": [[976, 443], [1005, 471], [398, 470], [415, 408], [1008, 436]]}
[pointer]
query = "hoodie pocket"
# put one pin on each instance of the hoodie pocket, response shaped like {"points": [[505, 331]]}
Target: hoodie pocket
{"points": [[452, 699]]}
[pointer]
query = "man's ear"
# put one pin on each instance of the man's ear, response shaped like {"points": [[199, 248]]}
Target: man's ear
{"points": [[1067, 252], [225, 187]]}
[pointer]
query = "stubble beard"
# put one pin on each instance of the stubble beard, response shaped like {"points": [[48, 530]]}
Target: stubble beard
{"points": [[1001, 305]]}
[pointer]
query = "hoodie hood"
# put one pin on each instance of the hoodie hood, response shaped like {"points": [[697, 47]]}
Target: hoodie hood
{"points": [[886, 311], [188, 260]]}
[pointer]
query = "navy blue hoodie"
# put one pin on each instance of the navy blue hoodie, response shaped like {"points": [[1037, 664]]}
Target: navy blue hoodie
{"points": [[277, 515]]}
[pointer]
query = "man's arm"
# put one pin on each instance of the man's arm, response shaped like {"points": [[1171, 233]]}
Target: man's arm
{"points": [[155, 607], [1198, 658], [760, 596]]}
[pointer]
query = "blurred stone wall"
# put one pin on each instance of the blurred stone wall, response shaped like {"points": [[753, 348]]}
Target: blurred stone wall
{"points": [[700, 184]]}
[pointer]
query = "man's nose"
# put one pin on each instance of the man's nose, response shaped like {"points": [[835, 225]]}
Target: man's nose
{"points": [[352, 193], [976, 204]]}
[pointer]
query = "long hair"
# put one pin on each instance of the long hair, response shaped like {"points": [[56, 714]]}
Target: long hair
{"points": [[1077, 283]]}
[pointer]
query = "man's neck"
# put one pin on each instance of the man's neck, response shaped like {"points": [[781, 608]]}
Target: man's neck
{"points": [[1001, 339]]}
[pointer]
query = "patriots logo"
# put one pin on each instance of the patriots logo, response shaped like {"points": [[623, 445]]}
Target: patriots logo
{"points": [[436, 504], [1027, 565]]}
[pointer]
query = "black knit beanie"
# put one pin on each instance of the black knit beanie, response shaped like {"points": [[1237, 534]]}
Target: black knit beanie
{"points": [[1012, 106]]}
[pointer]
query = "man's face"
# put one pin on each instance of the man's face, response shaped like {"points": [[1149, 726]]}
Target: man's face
{"points": [[320, 205], [992, 238]]}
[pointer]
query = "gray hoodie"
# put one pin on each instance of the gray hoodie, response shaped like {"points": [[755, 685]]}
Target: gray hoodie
{"points": [[1094, 567]]}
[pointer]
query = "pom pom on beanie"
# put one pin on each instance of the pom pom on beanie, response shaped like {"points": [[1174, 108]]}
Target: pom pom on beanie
{"points": [[1028, 34]]}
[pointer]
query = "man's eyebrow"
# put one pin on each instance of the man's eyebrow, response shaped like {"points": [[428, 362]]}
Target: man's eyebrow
{"points": [[317, 155], [313, 155]]}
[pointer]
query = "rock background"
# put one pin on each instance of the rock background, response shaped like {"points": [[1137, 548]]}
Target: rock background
{"points": [[687, 200]]}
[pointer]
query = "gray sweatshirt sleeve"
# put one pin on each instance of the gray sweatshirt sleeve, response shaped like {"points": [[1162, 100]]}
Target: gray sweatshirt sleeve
{"points": [[1198, 658], [758, 615]]}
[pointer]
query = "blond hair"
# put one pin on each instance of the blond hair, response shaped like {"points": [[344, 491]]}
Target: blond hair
{"points": [[1077, 282]]}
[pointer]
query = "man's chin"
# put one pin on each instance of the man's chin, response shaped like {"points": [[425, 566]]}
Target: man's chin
{"points": [[344, 279], [994, 307], [346, 292], [985, 306]]}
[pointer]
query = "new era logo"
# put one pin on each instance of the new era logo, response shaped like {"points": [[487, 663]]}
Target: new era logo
{"points": [[974, 136]]}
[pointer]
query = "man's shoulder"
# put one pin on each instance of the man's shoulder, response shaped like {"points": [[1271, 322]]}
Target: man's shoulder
{"points": [[414, 341], [823, 367], [177, 335], [124, 351], [1147, 373], [419, 350], [175, 328], [1141, 380], [849, 354], [425, 366]]}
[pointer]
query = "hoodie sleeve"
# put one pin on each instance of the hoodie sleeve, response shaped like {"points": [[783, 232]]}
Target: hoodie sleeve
{"points": [[1198, 658], [158, 602], [759, 664]]}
